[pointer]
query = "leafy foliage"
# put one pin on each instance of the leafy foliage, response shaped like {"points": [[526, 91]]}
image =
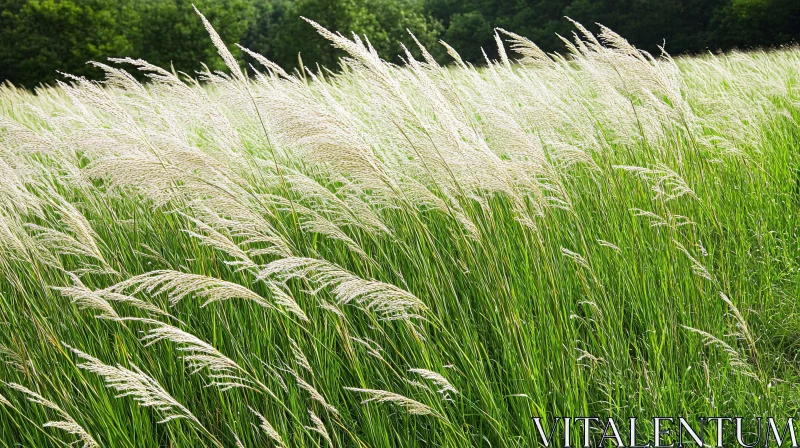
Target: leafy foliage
{"points": [[38, 37]]}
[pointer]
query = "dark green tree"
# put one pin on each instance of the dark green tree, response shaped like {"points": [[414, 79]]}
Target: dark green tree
{"points": [[170, 32], [384, 22], [39, 37]]}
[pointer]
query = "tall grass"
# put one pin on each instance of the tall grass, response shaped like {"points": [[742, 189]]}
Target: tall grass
{"points": [[398, 256]]}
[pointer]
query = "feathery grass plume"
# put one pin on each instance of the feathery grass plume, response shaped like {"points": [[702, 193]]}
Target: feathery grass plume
{"points": [[208, 236], [299, 356], [136, 384], [65, 244], [609, 245], [697, 267], [86, 299], [312, 391], [425, 54], [372, 347], [436, 378], [455, 145], [16, 244], [327, 306], [178, 285], [461, 183], [576, 257], [273, 67], [82, 241], [313, 222], [584, 355], [448, 164], [196, 107], [666, 183], [531, 53], [4, 401], [635, 92], [12, 359], [258, 236], [413, 407], [98, 300], [453, 54], [15, 196], [669, 220], [225, 373], [319, 427], [223, 51], [737, 360], [143, 388], [349, 210], [267, 427], [315, 125], [742, 327], [239, 443], [388, 301], [67, 424], [287, 302], [501, 50]]}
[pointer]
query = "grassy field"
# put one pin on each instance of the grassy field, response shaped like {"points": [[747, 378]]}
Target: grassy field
{"points": [[399, 256]]}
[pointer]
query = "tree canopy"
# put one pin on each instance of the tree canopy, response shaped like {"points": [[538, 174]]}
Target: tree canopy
{"points": [[40, 37]]}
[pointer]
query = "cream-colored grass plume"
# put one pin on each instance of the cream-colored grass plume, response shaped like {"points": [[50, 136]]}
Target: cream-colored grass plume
{"points": [[66, 424], [436, 378], [319, 427], [312, 222], [13, 360], [286, 302], [86, 299], [413, 407], [299, 356], [313, 392], [178, 285], [273, 67], [267, 427], [579, 259], [741, 325], [609, 245], [100, 300], [224, 372], [138, 385], [16, 244], [531, 52], [386, 300], [698, 268], [372, 347], [80, 241], [348, 210], [446, 199], [666, 183], [209, 236], [223, 51], [737, 360], [746, 363]]}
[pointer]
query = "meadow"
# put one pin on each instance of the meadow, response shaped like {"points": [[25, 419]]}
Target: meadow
{"points": [[411, 256]]}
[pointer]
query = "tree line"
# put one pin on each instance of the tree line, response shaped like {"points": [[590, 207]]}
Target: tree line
{"points": [[39, 37]]}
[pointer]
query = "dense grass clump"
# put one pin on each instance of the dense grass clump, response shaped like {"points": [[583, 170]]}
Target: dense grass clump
{"points": [[399, 256]]}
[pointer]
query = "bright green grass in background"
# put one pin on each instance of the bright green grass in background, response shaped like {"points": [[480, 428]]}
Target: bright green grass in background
{"points": [[389, 256]]}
